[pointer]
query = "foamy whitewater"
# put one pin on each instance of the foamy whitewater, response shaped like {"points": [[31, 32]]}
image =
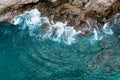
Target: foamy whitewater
{"points": [[42, 28], [35, 48]]}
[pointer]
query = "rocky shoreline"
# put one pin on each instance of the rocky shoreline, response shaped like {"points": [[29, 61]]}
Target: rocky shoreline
{"points": [[78, 13]]}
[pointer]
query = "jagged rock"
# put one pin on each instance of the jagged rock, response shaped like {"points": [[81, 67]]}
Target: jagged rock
{"points": [[75, 12]]}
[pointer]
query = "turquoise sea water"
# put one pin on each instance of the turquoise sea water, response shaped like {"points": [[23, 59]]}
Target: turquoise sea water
{"points": [[26, 56]]}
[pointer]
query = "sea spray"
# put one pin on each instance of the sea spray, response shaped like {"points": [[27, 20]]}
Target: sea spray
{"points": [[107, 29], [99, 34], [22, 58], [42, 27]]}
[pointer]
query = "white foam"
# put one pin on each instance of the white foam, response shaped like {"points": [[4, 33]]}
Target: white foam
{"points": [[41, 27], [96, 36], [107, 29], [64, 33]]}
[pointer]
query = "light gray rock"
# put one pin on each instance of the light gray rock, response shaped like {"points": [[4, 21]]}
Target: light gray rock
{"points": [[6, 3]]}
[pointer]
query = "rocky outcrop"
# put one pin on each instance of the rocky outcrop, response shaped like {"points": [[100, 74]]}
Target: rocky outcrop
{"points": [[10, 8], [77, 13], [7, 3]]}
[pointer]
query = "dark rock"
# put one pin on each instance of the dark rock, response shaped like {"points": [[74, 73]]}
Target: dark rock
{"points": [[72, 11]]}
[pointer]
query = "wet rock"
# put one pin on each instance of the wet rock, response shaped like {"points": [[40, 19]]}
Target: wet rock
{"points": [[72, 11]]}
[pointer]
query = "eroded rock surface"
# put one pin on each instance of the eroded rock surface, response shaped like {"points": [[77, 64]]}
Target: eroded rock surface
{"points": [[76, 12], [7, 3]]}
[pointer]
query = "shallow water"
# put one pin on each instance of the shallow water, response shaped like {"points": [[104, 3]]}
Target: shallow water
{"points": [[23, 56]]}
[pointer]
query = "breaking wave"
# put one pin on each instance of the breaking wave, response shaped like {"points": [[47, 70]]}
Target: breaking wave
{"points": [[42, 28], [30, 50]]}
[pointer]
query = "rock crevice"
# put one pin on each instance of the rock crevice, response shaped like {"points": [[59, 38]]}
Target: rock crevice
{"points": [[75, 12]]}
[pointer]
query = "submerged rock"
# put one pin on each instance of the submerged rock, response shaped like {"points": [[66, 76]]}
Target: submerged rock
{"points": [[116, 26], [107, 61]]}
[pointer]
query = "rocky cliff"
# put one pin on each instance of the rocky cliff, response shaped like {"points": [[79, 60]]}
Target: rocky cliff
{"points": [[77, 13]]}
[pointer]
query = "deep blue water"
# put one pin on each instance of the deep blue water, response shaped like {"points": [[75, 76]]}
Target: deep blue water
{"points": [[26, 57]]}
